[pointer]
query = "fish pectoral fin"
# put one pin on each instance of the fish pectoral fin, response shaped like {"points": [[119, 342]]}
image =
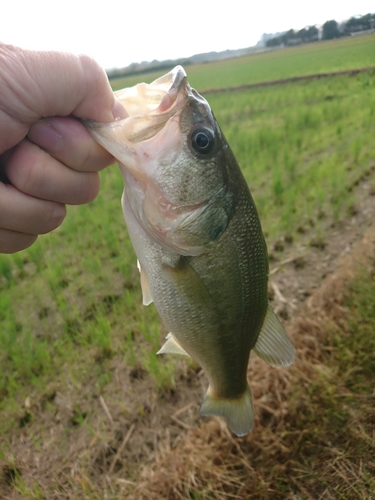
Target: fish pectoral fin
{"points": [[172, 346], [190, 284], [238, 412], [273, 344], [146, 292]]}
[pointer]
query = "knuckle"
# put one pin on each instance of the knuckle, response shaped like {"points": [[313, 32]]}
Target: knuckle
{"points": [[93, 157], [26, 170], [55, 216], [89, 188]]}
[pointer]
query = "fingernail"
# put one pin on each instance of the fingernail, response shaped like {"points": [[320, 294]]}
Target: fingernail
{"points": [[44, 135], [118, 111]]}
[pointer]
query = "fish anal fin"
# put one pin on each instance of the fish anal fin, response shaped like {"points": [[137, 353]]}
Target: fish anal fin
{"points": [[273, 344], [171, 346], [146, 292], [238, 412]]}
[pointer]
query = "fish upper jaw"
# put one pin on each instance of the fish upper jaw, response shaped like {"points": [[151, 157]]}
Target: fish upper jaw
{"points": [[176, 81], [154, 115], [159, 96]]}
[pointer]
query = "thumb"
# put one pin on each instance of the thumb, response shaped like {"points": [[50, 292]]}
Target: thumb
{"points": [[40, 84]]}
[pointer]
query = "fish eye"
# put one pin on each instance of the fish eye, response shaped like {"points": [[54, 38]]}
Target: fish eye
{"points": [[203, 141]]}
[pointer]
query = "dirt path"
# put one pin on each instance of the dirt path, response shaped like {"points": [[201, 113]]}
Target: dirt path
{"points": [[300, 267]]}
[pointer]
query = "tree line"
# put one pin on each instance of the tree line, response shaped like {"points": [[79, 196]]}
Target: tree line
{"points": [[330, 29]]}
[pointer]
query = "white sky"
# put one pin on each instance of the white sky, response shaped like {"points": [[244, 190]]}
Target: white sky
{"points": [[119, 32]]}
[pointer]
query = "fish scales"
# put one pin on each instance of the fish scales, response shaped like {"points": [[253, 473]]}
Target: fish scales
{"points": [[197, 235]]}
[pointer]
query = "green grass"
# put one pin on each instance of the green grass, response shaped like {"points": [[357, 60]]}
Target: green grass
{"points": [[301, 146], [67, 293], [328, 56], [71, 303]]}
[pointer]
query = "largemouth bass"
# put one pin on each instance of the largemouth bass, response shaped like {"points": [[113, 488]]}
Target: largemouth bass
{"points": [[197, 235]]}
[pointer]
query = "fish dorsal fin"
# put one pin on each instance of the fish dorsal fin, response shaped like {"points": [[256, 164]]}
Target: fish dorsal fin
{"points": [[171, 346], [146, 292], [273, 344]]}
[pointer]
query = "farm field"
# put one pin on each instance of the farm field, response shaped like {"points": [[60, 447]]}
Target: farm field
{"points": [[328, 56], [87, 409]]}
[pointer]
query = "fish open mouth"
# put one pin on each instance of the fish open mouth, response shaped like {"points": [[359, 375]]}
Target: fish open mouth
{"points": [[158, 96], [149, 107], [178, 79]]}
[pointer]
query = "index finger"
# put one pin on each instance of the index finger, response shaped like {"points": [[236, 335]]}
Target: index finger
{"points": [[42, 84], [67, 140]]}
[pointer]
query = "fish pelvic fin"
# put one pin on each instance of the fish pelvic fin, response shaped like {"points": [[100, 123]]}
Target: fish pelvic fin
{"points": [[172, 346], [146, 292], [273, 344], [238, 412]]}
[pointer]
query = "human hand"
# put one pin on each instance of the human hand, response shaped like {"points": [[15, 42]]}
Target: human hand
{"points": [[47, 158]]}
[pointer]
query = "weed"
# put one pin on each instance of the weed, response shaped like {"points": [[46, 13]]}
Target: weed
{"points": [[5, 268]]}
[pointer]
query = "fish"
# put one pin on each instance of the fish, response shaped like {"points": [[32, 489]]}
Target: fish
{"points": [[196, 232]]}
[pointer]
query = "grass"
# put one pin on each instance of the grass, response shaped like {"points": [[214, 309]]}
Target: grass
{"points": [[301, 147], [73, 327], [328, 56]]}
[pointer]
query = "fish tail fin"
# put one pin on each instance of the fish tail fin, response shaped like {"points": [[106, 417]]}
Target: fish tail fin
{"points": [[238, 412]]}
